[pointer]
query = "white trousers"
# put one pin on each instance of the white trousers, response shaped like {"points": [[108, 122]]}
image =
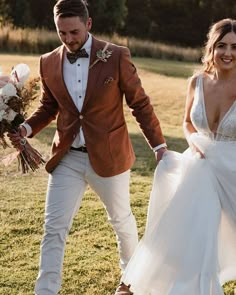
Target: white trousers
{"points": [[66, 187]]}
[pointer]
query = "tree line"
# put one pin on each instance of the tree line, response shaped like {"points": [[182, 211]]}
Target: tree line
{"points": [[179, 22]]}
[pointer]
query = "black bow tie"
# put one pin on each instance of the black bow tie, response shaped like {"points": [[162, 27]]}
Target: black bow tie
{"points": [[72, 57]]}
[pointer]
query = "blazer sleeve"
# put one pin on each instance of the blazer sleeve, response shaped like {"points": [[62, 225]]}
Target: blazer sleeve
{"points": [[138, 101], [47, 109]]}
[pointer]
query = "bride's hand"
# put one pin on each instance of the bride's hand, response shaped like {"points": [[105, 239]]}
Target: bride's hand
{"points": [[195, 150]]}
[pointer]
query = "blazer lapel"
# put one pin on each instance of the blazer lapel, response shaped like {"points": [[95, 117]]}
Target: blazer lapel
{"points": [[94, 72], [62, 89]]}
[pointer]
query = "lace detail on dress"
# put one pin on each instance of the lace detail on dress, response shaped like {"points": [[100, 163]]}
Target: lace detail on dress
{"points": [[226, 130]]}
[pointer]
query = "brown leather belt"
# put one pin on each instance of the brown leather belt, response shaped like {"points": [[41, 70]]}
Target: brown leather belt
{"points": [[82, 149]]}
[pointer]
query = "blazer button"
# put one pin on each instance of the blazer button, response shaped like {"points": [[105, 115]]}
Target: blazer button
{"points": [[81, 117]]}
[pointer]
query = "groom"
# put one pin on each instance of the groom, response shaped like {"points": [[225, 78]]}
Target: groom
{"points": [[83, 84]]}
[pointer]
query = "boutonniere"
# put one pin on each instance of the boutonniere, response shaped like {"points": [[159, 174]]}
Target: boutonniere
{"points": [[102, 55]]}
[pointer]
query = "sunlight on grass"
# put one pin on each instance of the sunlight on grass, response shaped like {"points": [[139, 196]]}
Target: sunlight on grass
{"points": [[8, 61]]}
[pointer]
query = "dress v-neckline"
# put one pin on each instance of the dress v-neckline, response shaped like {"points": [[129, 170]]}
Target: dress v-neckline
{"points": [[205, 114]]}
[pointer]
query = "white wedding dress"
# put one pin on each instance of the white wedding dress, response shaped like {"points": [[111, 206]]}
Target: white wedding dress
{"points": [[189, 245]]}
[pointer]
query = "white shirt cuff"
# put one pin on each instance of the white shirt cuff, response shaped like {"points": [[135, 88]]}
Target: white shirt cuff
{"points": [[159, 147], [28, 129]]}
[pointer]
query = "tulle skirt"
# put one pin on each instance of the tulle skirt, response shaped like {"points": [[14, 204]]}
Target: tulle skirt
{"points": [[189, 245]]}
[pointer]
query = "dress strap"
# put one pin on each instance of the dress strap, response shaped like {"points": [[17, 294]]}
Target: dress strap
{"points": [[198, 93], [199, 81]]}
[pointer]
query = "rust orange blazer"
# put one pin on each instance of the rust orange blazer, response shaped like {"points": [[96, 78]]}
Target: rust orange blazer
{"points": [[102, 118]]}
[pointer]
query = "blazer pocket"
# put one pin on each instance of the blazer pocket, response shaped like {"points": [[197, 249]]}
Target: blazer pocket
{"points": [[118, 142], [108, 80]]}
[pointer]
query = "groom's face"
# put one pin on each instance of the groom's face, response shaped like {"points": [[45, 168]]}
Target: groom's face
{"points": [[73, 31]]}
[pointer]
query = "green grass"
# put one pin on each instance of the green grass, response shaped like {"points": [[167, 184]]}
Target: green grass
{"points": [[91, 260], [165, 67]]}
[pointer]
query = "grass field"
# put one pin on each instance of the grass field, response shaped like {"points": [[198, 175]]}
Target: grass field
{"points": [[91, 260]]}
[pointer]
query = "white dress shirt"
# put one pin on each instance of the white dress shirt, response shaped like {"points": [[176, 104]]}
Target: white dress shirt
{"points": [[76, 78]]}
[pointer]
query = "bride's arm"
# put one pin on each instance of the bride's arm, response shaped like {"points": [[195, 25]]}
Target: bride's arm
{"points": [[187, 124]]}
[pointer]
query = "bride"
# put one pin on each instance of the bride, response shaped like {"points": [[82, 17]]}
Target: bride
{"points": [[189, 245]]}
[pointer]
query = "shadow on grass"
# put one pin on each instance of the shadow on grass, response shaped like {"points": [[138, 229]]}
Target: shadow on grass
{"points": [[145, 162]]}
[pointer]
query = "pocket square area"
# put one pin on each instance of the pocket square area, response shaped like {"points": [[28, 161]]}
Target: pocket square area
{"points": [[108, 80]]}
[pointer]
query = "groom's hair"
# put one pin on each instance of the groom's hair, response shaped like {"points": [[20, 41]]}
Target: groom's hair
{"points": [[69, 8]]}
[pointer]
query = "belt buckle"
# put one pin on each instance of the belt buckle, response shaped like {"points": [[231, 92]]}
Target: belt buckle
{"points": [[83, 149]]}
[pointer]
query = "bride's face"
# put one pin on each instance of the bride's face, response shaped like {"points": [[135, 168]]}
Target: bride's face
{"points": [[225, 53]]}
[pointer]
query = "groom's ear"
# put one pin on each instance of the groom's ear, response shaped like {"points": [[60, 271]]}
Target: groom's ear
{"points": [[89, 24]]}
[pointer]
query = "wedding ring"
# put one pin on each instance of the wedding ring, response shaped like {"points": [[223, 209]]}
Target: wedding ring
{"points": [[23, 141]]}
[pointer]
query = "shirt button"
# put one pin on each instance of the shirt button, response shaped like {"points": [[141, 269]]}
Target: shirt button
{"points": [[81, 117], [79, 81], [80, 96]]}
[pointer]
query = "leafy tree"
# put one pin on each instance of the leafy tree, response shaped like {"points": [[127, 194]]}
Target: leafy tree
{"points": [[42, 13], [4, 12], [137, 21], [186, 22], [108, 16], [31, 13], [20, 13]]}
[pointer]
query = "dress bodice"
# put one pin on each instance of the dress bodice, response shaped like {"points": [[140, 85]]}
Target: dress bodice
{"points": [[226, 130]]}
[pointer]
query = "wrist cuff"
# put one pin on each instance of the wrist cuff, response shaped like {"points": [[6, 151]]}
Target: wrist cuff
{"points": [[28, 129], [159, 147]]}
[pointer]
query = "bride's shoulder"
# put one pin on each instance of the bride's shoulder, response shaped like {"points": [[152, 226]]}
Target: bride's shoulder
{"points": [[196, 78], [193, 80]]}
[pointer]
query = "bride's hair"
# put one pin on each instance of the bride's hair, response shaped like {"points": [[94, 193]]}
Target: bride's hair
{"points": [[216, 32]]}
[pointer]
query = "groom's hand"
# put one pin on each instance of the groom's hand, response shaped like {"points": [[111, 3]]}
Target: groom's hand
{"points": [[159, 154], [17, 138]]}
